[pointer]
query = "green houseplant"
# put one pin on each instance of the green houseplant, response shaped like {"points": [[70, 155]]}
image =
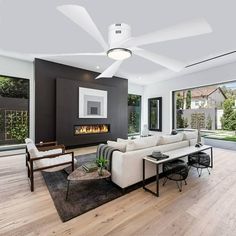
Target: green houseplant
{"points": [[101, 162]]}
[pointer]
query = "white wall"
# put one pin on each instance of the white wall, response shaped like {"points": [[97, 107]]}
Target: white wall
{"points": [[135, 89], [164, 89], [21, 69]]}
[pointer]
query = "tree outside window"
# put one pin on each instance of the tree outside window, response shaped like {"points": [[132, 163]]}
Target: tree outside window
{"points": [[134, 114]]}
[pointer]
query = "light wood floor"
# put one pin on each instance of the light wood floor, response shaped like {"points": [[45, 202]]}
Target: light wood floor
{"points": [[207, 206]]}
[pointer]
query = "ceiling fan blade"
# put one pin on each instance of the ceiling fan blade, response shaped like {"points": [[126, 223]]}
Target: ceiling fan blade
{"points": [[169, 63], [182, 30], [71, 54], [80, 16], [110, 71]]}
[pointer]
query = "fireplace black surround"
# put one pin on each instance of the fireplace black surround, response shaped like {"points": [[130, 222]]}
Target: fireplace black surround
{"points": [[57, 104]]}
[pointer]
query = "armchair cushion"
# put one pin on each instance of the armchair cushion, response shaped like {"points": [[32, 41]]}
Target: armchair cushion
{"points": [[51, 152], [54, 161]]}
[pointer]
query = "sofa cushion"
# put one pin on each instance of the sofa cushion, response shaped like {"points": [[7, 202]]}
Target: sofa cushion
{"points": [[142, 143], [127, 167], [118, 145], [121, 140], [190, 135], [166, 139]]}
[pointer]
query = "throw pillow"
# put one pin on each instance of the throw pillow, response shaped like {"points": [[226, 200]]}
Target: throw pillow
{"points": [[166, 139], [142, 143], [190, 135], [118, 145]]}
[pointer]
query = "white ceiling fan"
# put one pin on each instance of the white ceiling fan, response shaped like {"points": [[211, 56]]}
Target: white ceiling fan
{"points": [[121, 45]]}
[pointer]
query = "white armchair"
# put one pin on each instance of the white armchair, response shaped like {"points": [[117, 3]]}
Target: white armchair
{"points": [[46, 157]]}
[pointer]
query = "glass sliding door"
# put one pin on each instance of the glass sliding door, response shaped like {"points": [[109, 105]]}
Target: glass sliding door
{"points": [[134, 114], [14, 110], [211, 109]]}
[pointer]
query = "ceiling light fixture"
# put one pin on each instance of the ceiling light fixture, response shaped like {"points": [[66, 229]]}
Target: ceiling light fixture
{"points": [[119, 53], [97, 67]]}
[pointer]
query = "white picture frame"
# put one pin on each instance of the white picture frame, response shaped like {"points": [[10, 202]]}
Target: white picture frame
{"points": [[92, 103]]}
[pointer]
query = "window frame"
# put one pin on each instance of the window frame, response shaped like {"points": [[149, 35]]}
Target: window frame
{"points": [[173, 105]]}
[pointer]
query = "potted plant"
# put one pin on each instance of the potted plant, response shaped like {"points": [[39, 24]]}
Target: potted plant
{"points": [[101, 162]]}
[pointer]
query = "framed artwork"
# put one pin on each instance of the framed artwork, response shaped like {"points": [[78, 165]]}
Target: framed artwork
{"points": [[155, 114], [92, 103]]}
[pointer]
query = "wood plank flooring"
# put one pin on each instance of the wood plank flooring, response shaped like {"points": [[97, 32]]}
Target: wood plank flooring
{"points": [[207, 205]]}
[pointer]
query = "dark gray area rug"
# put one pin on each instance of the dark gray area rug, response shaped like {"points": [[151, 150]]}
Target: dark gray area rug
{"points": [[83, 195]]}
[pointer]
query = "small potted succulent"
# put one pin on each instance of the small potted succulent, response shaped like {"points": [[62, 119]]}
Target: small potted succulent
{"points": [[101, 162]]}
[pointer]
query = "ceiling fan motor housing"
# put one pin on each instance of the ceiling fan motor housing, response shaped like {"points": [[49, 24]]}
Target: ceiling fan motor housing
{"points": [[118, 33]]}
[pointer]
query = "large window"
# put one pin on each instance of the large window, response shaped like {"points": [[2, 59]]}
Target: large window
{"points": [[134, 114], [212, 109], [14, 110]]}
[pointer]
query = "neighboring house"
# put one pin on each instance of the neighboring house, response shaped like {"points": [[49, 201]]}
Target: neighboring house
{"points": [[206, 100], [207, 97]]}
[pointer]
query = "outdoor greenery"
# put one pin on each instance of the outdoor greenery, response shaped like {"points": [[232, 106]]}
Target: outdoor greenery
{"points": [[228, 119], [198, 120], [188, 99], [133, 123], [209, 123], [227, 138], [230, 138], [134, 113], [17, 125], [14, 88], [179, 101], [182, 122], [153, 113], [229, 92], [14, 125]]}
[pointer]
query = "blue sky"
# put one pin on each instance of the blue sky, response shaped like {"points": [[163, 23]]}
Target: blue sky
{"points": [[230, 85]]}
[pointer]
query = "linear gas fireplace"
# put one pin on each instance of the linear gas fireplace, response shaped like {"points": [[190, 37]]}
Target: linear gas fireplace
{"points": [[91, 129]]}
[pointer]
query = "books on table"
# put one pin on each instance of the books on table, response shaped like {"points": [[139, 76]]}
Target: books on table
{"points": [[90, 166]]}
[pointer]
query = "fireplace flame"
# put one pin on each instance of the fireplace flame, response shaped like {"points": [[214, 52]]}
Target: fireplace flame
{"points": [[91, 129]]}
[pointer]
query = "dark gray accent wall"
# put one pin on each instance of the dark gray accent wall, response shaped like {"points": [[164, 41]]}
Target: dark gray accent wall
{"points": [[56, 104]]}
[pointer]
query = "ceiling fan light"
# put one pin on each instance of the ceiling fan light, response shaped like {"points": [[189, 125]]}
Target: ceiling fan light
{"points": [[119, 53]]}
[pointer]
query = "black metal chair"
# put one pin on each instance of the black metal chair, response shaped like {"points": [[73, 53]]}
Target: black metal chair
{"points": [[200, 160], [177, 171]]}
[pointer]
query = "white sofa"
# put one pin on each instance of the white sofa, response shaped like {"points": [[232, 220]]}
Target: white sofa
{"points": [[127, 165]]}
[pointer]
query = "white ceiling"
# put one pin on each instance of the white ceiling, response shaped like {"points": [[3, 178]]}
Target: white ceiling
{"points": [[31, 26]]}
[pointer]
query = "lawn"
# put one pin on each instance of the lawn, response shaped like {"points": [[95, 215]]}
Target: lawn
{"points": [[220, 135]]}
